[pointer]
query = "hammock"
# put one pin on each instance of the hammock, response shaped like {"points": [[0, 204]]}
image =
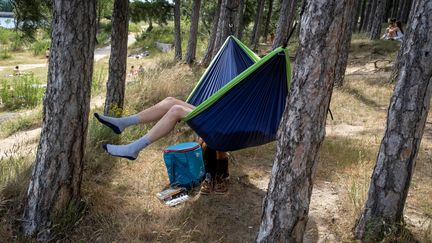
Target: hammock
{"points": [[233, 58], [246, 111]]}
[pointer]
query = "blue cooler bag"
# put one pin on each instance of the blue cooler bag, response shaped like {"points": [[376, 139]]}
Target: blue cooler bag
{"points": [[184, 164]]}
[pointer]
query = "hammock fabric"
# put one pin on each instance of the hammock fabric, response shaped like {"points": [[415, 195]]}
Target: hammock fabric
{"points": [[247, 110], [233, 58]]}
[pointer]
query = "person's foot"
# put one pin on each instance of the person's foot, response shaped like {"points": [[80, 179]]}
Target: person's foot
{"points": [[207, 185], [220, 185], [120, 151], [109, 122]]}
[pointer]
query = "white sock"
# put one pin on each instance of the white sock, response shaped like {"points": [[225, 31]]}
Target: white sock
{"points": [[128, 151], [117, 124]]}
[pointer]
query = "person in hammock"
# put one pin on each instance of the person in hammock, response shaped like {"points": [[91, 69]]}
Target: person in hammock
{"points": [[167, 113]]}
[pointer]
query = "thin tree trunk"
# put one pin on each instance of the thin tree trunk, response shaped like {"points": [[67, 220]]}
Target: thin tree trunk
{"points": [[219, 39], [229, 27], [302, 129], [375, 31], [388, 8], [367, 16], [268, 20], [177, 31], [286, 17], [406, 119], [211, 41], [363, 16], [257, 24], [405, 11], [372, 15], [56, 178], [239, 19], [394, 9], [117, 62], [357, 15], [191, 48], [347, 26]]}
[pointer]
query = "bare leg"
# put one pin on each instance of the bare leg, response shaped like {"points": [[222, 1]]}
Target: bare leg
{"points": [[153, 113], [157, 111], [165, 125]]}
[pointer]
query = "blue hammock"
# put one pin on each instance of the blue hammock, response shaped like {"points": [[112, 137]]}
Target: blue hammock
{"points": [[232, 59], [247, 110]]}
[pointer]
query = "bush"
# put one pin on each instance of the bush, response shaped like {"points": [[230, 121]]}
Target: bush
{"points": [[23, 91], [40, 46], [134, 27], [102, 38]]}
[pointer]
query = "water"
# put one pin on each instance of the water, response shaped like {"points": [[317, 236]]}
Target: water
{"points": [[7, 22]]}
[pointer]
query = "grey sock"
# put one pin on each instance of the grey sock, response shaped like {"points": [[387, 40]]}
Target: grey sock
{"points": [[129, 151], [118, 124]]}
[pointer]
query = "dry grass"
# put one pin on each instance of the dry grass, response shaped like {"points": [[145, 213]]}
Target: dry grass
{"points": [[120, 195]]}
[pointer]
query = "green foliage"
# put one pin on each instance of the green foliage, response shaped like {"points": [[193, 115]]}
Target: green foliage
{"points": [[22, 91], [157, 11], [40, 46], [6, 6], [103, 9], [32, 15], [162, 34], [102, 38], [99, 79], [134, 27]]}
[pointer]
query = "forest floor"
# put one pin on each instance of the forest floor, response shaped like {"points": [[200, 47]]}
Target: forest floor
{"points": [[119, 195]]}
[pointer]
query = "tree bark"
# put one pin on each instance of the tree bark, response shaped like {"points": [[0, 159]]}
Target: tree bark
{"points": [[268, 20], [358, 12], [363, 16], [177, 31], [191, 48], [372, 15], [394, 11], [56, 177], [229, 27], [347, 26], [286, 18], [211, 41], [257, 24], [367, 16], [302, 129], [239, 19], [223, 18], [405, 11], [117, 62], [375, 30], [406, 119]]}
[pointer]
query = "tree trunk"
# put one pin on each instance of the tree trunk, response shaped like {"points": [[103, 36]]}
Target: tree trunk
{"points": [[229, 27], [239, 19], [256, 29], [302, 129], [406, 119], [56, 177], [363, 15], [177, 31], [211, 41], [356, 18], [368, 15], [191, 48], [117, 62], [394, 11], [372, 15], [347, 26], [286, 17], [388, 8], [375, 31], [219, 39], [268, 20], [405, 11]]}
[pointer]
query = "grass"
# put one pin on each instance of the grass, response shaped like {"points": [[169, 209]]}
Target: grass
{"points": [[118, 195], [24, 91]]}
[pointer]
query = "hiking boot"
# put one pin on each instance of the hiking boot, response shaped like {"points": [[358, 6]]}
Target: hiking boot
{"points": [[220, 186], [207, 185]]}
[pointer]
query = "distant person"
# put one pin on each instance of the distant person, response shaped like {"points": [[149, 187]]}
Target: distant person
{"points": [[133, 71], [394, 31], [17, 72], [141, 69], [47, 54]]}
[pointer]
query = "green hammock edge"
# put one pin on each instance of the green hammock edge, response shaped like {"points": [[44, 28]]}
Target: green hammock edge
{"points": [[212, 99], [246, 49]]}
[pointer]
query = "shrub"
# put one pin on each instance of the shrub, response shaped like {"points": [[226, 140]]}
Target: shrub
{"points": [[40, 46], [23, 91]]}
